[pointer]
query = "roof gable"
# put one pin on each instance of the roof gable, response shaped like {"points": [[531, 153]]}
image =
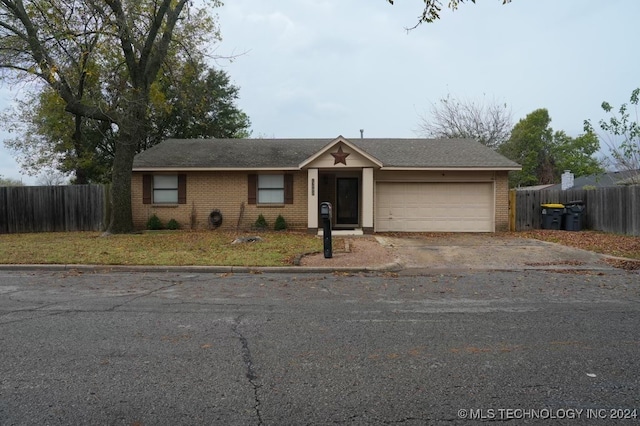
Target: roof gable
{"points": [[340, 153]]}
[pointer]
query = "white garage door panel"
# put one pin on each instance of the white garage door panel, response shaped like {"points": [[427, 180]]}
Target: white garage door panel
{"points": [[432, 207]]}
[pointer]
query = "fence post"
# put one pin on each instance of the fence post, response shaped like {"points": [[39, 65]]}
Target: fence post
{"points": [[512, 210]]}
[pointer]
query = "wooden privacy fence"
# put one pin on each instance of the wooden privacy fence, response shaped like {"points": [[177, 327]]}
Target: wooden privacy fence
{"points": [[611, 209], [53, 208]]}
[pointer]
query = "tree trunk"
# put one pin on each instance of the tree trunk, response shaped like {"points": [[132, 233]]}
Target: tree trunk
{"points": [[121, 221], [80, 170], [131, 131]]}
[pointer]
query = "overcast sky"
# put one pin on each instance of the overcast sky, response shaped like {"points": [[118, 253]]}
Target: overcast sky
{"points": [[323, 68]]}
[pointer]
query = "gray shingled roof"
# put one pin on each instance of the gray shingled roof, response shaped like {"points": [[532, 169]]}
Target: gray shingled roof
{"points": [[600, 180], [290, 153]]}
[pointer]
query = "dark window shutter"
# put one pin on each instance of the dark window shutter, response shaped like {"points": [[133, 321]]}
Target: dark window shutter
{"points": [[288, 189], [253, 189], [182, 189], [147, 186]]}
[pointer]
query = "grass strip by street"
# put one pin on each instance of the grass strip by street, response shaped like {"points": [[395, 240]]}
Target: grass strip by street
{"points": [[167, 248], [620, 246], [600, 242]]}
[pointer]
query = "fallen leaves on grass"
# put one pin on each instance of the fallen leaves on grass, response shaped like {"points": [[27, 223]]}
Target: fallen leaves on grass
{"points": [[556, 263], [627, 265], [600, 242]]}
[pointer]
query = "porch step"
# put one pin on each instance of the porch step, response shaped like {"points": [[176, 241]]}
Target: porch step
{"points": [[341, 232]]}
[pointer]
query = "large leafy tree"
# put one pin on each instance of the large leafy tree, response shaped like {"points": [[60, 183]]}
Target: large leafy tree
{"points": [[47, 40], [545, 154], [488, 122], [188, 101], [196, 101], [622, 133], [51, 141], [433, 8]]}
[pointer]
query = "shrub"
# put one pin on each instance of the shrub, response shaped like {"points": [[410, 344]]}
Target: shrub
{"points": [[154, 222], [173, 224], [280, 224], [261, 222]]}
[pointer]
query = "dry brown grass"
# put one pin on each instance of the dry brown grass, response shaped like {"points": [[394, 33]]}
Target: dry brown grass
{"points": [[625, 246], [155, 248], [599, 242]]}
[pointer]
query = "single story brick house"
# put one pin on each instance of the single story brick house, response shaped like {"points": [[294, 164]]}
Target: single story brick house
{"points": [[374, 185]]}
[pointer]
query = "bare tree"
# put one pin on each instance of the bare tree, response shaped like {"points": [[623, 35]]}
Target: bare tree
{"points": [[10, 181], [52, 178], [488, 122]]}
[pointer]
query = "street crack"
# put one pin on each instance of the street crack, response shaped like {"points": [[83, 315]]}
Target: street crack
{"points": [[251, 373], [139, 296]]}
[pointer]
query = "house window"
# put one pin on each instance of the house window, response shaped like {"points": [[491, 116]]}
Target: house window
{"points": [[164, 189], [270, 189]]}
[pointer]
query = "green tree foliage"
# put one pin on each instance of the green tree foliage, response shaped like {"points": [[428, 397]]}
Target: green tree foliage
{"points": [[433, 8], [58, 42], [191, 101], [47, 139], [196, 101], [545, 154], [622, 133], [576, 154]]}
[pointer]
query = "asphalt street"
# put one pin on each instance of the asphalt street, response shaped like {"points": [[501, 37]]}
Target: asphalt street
{"points": [[525, 347]]}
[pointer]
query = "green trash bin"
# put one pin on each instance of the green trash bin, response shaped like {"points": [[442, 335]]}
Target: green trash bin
{"points": [[552, 215], [573, 216]]}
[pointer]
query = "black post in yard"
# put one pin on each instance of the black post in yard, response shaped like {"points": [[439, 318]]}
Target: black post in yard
{"points": [[325, 214]]}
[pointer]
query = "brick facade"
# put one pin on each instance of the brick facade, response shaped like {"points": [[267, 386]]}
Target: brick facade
{"points": [[502, 201], [224, 191], [227, 191]]}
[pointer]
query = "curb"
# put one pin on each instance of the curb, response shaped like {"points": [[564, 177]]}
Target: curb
{"points": [[391, 267]]}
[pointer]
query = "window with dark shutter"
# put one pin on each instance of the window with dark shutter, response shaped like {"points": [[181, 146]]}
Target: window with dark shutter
{"points": [[147, 187], [270, 189], [288, 189], [253, 189], [182, 189], [165, 189]]}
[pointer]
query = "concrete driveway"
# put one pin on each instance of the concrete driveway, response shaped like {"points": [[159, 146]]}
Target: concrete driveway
{"points": [[488, 252]]}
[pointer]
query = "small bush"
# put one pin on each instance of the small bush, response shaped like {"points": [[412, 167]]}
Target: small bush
{"points": [[154, 223], [280, 224], [261, 222], [173, 225]]}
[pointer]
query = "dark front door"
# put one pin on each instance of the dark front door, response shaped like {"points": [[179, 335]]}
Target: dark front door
{"points": [[346, 209]]}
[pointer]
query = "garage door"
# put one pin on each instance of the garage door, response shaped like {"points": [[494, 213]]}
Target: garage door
{"points": [[434, 207]]}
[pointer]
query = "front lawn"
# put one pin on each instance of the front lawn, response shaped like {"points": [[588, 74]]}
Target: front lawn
{"points": [[171, 248]]}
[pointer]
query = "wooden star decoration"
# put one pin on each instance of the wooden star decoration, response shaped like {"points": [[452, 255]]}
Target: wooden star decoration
{"points": [[340, 157]]}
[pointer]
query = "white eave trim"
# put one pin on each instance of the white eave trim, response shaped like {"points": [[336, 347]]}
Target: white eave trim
{"points": [[463, 169], [214, 169]]}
